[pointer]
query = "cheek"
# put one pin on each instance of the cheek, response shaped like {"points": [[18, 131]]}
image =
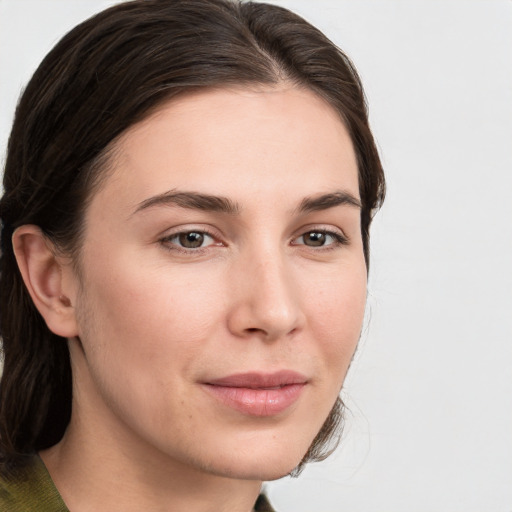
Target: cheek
{"points": [[149, 319], [143, 331], [336, 318]]}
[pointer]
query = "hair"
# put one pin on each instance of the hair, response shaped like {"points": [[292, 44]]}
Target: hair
{"points": [[105, 75]]}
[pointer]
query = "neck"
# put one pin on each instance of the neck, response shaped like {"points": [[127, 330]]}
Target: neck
{"points": [[131, 481]]}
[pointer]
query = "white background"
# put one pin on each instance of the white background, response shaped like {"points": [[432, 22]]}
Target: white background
{"points": [[430, 390]]}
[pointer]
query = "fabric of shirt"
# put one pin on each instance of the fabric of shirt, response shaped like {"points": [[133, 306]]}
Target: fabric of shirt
{"points": [[33, 490]]}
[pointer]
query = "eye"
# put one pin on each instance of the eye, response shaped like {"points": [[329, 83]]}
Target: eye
{"points": [[320, 238], [189, 240]]}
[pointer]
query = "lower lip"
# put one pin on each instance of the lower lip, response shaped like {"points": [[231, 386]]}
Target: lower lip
{"points": [[259, 401]]}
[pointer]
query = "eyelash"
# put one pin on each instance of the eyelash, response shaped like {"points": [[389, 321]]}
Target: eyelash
{"points": [[167, 243], [339, 239]]}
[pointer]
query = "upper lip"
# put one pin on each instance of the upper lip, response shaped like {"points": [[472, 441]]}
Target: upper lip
{"points": [[258, 380]]}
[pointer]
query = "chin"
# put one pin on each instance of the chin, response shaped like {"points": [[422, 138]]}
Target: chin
{"points": [[263, 471], [262, 465]]}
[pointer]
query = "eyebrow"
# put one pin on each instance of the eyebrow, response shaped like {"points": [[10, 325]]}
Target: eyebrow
{"points": [[192, 200], [220, 204], [326, 201]]}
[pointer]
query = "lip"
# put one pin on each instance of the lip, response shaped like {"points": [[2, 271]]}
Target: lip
{"points": [[258, 394]]}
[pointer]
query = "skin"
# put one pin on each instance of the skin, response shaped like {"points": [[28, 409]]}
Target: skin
{"points": [[150, 321]]}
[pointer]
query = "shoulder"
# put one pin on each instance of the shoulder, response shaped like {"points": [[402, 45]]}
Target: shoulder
{"points": [[30, 489]]}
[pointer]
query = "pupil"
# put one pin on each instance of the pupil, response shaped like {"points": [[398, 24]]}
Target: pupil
{"points": [[191, 240], [315, 239]]}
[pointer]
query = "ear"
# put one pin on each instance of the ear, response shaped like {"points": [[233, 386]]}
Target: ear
{"points": [[46, 277]]}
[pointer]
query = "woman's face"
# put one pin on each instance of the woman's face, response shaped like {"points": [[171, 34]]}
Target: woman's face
{"points": [[222, 284]]}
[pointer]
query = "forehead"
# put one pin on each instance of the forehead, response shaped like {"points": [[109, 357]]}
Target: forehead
{"points": [[244, 142]]}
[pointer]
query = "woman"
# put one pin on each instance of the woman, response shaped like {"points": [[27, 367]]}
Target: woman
{"points": [[189, 187]]}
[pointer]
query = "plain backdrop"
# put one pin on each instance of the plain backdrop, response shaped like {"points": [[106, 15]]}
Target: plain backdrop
{"points": [[430, 389]]}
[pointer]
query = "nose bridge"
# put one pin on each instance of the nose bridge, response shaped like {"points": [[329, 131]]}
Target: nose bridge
{"points": [[267, 301]]}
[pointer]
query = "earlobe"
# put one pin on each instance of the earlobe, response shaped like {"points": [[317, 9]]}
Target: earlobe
{"points": [[42, 271]]}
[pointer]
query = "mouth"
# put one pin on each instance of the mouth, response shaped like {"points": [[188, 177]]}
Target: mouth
{"points": [[258, 394]]}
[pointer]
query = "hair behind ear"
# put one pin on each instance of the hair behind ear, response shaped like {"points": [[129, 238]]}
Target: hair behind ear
{"points": [[35, 390]]}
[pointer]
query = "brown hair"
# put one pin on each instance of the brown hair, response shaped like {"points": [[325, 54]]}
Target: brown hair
{"points": [[105, 75]]}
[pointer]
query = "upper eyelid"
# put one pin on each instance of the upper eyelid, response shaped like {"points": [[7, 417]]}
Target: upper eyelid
{"points": [[324, 228], [218, 235], [338, 239], [174, 235], [166, 241], [171, 232]]}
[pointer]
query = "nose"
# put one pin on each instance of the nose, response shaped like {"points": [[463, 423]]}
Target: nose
{"points": [[265, 299]]}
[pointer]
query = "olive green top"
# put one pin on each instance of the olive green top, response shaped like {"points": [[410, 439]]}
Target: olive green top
{"points": [[34, 491]]}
